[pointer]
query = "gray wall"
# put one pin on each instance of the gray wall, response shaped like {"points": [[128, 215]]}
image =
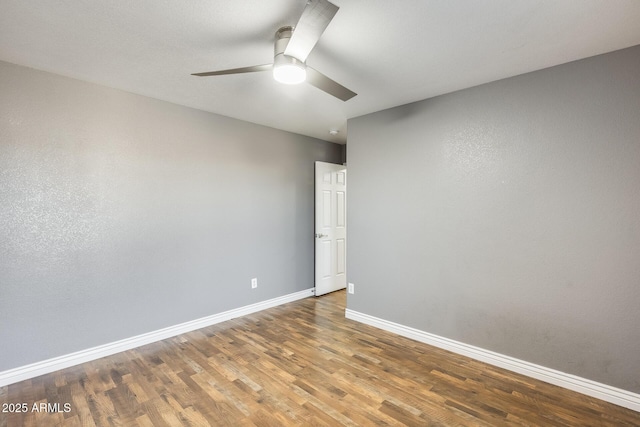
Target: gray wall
{"points": [[507, 216], [121, 214]]}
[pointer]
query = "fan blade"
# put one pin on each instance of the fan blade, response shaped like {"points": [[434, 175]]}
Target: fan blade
{"points": [[315, 18], [324, 83], [253, 68]]}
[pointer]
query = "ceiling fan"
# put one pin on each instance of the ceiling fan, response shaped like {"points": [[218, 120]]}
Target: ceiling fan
{"points": [[292, 47]]}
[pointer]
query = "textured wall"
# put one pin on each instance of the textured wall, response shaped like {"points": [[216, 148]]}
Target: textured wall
{"points": [[507, 216], [121, 214]]}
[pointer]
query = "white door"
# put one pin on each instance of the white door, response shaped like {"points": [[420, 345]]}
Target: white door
{"points": [[331, 227]]}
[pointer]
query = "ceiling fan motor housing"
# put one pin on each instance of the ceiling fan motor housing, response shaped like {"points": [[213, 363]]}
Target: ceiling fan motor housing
{"points": [[286, 69], [283, 35]]}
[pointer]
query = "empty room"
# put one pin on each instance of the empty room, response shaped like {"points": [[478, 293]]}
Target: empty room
{"points": [[320, 212]]}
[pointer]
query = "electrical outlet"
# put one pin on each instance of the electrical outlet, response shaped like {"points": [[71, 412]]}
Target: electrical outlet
{"points": [[254, 283], [351, 289]]}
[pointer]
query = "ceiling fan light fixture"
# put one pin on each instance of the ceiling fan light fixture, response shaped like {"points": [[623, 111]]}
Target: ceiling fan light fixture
{"points": [[289, 70], [291, 49]]}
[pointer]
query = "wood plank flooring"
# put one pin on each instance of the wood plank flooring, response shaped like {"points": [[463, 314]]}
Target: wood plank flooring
{"points": [[304, 364]]}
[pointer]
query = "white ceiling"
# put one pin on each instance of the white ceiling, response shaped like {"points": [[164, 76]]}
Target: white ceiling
{"points": [[389, 52]]}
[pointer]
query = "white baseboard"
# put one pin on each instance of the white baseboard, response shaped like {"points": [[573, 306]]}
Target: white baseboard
{"points": [[50, 365], [591, 388]]}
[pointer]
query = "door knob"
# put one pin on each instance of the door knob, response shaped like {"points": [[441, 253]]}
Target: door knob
{"points": [[320, 236]]}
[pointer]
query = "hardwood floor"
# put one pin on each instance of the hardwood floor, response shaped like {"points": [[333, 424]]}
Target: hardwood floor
{"points": [[302, 363]]}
